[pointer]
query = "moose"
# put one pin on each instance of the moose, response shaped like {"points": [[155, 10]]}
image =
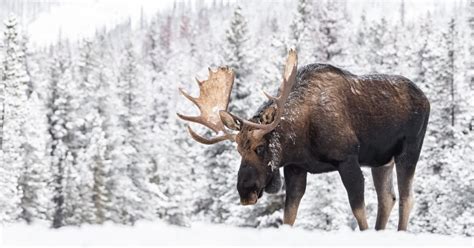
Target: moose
{"points": [[323, 119]]}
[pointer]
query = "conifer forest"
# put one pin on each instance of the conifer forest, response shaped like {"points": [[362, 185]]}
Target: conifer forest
{"points": [[89, 132]]}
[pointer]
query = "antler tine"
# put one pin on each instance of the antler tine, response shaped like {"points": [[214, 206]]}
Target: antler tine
{"points": [[199, 82], [192, 99], [214, 94], [210, 141], [289, 79]]}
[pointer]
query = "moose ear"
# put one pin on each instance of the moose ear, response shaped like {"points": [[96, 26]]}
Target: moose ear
{"points": [[229, 121], [268, 115]]}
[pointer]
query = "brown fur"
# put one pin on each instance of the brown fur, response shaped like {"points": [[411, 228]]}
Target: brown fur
{"points": [[337, 121]]}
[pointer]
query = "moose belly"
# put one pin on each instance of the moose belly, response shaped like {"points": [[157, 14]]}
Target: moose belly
{"points": [[379, 151]]}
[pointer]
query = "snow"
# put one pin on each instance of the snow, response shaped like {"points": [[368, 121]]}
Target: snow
{"points": [[82, 18], [116, 151], [158, 233]]}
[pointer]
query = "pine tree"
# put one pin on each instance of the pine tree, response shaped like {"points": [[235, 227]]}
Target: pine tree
{"points": [[14, 82], [60, 124], [302, 30], [390, 53], [434, 76], [35, 180], [361, 45], [136, 196], [80, 183], [104, 137], [100, 169], [437, 75], [151, 46], [26, 63], [470, 76], [178, 160], [221, 160], [331, 32], [158, 42], [463, 93], [2, 100], [381, 54], [450, 37], [237, 54], [270, 69], [236, 39], [402, 13]]}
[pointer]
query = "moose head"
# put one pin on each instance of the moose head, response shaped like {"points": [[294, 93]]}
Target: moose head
{"points": [[252, 136]]}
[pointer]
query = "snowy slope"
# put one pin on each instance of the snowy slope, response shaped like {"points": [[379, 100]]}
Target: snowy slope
{"points": [[207, 234], [78, 19]]}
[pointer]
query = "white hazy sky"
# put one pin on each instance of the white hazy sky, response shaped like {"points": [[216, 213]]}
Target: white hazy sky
{"points": [[79, 18], [74, 18]]}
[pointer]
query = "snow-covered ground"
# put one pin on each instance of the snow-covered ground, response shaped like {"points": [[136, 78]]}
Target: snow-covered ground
{"points": [[208, 234]]}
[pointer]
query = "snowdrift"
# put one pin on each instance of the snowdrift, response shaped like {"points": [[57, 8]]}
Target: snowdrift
{"points": [[148, 233]]}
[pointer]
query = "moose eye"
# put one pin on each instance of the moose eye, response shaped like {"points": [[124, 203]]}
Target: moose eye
{"points": [[259, 150]]}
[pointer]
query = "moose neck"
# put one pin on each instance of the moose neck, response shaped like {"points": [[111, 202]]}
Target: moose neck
{"points": [[287, 144]]}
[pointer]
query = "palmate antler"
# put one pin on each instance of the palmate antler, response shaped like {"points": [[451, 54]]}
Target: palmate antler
{"points": [[214, 94], [214, 99], [289, 79]]}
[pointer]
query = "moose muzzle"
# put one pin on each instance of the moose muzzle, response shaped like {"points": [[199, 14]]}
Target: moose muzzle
{"points": [[251, 184], [251, 199]]}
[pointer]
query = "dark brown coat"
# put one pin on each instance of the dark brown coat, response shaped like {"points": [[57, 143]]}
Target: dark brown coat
{"points": [[337, 121]]}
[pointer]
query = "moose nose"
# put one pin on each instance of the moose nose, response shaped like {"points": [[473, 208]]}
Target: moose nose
{"points": [[250, 200], [247, 178], [247, 185]]}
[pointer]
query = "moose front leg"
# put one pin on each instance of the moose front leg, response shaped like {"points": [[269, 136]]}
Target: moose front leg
{"points": [[295, 183], [353, 181]]}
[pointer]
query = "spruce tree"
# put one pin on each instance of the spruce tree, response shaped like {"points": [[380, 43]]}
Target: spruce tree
{"points": [[14, 84], [331, 44], [137, 197], [36, 176], [221, 160], [237, 54], [60, 106], [302, 30]]}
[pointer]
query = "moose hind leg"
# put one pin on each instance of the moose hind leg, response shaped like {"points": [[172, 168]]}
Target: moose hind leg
{"points": [[353, 180], [383, 182], [405, 164]]}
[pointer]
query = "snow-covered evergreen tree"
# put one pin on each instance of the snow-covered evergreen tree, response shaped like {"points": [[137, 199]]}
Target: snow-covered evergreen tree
{"points": [[80, 183], [14, 84], [220, 161], [237, 54], [360, 48], [302, 31], [331, 46], [436, 177], [381, 54], [60, 124], [138, 198], [118, 153], [36, 175]]}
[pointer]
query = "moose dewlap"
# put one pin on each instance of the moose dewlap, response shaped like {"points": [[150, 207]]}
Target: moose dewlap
{"points": [[323, 119]]}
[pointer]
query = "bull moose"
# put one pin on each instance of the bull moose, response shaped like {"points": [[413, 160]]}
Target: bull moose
{"points": [[324, 119]]}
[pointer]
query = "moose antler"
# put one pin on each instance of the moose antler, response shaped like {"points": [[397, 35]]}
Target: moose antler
{"points": [[213, 97], [289, 79]]}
